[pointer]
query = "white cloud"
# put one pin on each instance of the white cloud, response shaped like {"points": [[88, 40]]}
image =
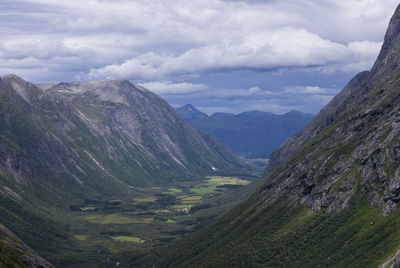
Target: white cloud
{"points": [[162, 38], [309, 90], [254, 90], [279, 48], [172, 45], [167, 88]]}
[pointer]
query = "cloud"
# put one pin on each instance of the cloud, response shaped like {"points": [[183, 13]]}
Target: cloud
{"points": [[165, 38], [178, 49], [304, 98], [167, 88], [41, 49], [254, 90], [281, 48], [309, 90]]}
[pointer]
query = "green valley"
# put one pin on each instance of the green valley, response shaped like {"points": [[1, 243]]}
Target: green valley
{"points": [[134, 230]]}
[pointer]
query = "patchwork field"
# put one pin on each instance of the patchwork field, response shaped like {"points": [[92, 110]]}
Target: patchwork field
{"points": [[128, 232]]}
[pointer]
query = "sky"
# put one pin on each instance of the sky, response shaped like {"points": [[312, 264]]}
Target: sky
{"points": [[220, 56]]}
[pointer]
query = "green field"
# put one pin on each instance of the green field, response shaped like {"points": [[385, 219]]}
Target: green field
{"points": [[210, 186], [131, 239], [132, 229], [115, 219]]}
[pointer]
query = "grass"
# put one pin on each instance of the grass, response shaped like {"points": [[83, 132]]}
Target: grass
{"points": [[288, 235], [191, 202], [204, 190], [88, 208], [172, 191], [175, 190], [192, 198], [81, 237], [146, 199], [210, 186], [182, 206], [162, 211], [115, 219], [93, 224], [218, 180], [132, 239]]}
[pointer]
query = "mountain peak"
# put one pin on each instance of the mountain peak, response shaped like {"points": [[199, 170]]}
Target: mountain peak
{"points": [[11, 76], [117, 91], [23, 88], [256, 113], [389, 59], [190, 113], [188, 106]]}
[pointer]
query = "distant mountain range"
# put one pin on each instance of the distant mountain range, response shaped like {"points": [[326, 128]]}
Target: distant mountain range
{"points": [[252, 134]]}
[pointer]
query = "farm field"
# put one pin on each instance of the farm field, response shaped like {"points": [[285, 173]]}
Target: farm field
{"points": [[129, 231]]}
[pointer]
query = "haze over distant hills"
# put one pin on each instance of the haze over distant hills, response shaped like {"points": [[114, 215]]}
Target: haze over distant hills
{"points": [[252, 134]]}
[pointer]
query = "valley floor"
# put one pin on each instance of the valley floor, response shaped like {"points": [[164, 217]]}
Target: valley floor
{"points": [[132, 230]]}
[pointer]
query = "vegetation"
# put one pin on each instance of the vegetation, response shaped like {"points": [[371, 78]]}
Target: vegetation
{"points": [[115, 219], [132, 239], [211, 185], [288, 235], [94, 228]]}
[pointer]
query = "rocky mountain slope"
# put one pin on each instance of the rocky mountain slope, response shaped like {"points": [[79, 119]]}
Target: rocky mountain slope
{"points": [[14, 253], [252, 134], [93, 140], [331, 199]]}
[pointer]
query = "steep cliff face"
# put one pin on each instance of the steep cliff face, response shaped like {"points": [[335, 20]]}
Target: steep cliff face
{"points": [[331, 198], [152, 135], [355, 137]]}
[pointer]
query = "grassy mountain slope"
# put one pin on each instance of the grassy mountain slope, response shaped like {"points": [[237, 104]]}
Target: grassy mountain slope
{"points": [[14, 253], [333, 202]]}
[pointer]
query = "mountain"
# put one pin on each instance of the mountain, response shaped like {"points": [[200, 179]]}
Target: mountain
{"points": [[190, 113], [253, 134], [90, 140], [332, 192]]}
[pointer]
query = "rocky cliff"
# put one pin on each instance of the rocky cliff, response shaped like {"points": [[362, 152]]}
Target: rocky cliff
{"points": [[332, 192]]}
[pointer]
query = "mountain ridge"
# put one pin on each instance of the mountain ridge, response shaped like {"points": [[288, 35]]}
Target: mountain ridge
{"points": [[252, 134]]}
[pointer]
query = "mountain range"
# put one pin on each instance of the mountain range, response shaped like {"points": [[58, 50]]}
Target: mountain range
{"points": [[252, 134], [332, 190], [66, 142]]}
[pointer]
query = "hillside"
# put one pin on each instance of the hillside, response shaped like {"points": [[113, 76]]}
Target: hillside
{"points": [[252, 134], [332, 192], [90, 141], [14, 253]]}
